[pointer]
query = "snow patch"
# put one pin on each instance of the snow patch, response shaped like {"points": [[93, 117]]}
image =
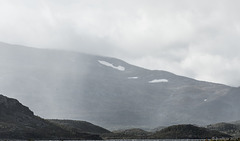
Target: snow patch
{"points": [[120, 68], [158, 81], [133, 77]]}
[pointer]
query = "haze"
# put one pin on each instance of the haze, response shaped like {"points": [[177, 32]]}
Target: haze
{"points": [[198, 39]]}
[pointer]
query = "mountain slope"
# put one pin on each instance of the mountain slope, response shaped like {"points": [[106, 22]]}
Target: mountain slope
{"points": [[171, 132], [232, 129], [108, 91], [187, 132], [134, 133], [80, 126], [18, 122]]}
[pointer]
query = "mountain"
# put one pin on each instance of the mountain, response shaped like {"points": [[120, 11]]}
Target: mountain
{"points": [[110, 92], [18, 122], [157, 128], [80, 126], [134, 133], [236, 122], [232, 129], [187, 132]]}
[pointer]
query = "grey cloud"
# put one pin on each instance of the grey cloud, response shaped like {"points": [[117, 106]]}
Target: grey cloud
{"points": [[179, 36]]}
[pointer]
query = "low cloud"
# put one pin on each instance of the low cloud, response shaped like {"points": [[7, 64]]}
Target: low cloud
{"points": [[198, 39]]}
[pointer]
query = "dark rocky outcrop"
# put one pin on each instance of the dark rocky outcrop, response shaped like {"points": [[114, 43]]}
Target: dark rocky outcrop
{"points": [[18, 122]]}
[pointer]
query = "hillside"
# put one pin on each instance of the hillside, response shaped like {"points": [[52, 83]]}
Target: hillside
{"points": [[110, 92], [134, 133], [172, 132], [187, 132], [18, 122], [232, 129], [80, 126]]}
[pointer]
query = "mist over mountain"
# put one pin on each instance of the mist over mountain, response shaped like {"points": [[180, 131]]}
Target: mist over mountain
{"points": [[232, 128], [110, 92]]}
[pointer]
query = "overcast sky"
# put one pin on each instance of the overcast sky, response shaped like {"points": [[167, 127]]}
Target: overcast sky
{"points": [[194, 38]]}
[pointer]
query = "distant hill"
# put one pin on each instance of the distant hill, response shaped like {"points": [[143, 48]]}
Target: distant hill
{"points": [[172, 132], [232, 129], [18, 122], [109, 92], [236, 122], [80, 126], [134, 133], [187, 132], [157, 129]]}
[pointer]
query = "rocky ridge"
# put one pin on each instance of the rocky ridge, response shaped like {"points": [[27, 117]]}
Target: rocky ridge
{"points": [[18, 122]]}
